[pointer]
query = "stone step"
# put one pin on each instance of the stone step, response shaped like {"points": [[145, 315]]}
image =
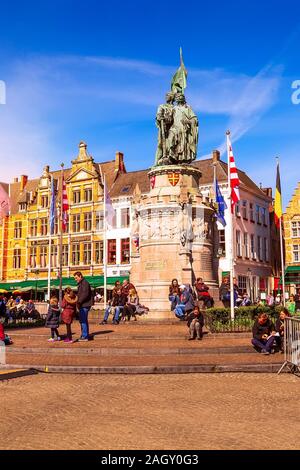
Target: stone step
{"points": [[136, 351], [156, 369]]}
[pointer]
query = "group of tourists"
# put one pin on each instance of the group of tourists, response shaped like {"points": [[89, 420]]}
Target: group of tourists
{"points": [[267, 337], [124, 304], [184, 298], [17, 309]]}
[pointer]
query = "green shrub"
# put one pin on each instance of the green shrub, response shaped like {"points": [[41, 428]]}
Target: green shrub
{"points": [[218, 319]]}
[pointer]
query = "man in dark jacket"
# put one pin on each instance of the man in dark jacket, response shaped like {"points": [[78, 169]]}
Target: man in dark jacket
{"points": [[263, 334], [85, 301]]}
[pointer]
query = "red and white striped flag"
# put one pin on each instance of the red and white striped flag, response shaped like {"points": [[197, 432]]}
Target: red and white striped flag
{"points": [[65, 206], [234, 177], [4, 203]]}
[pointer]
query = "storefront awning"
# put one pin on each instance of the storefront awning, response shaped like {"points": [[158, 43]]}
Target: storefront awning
{"points": [[292, 275], [41, 284]]}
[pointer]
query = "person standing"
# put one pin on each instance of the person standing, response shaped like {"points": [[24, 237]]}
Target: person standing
{"points": [[291, 305], [85, 302], [225, 292], [69, 304]]}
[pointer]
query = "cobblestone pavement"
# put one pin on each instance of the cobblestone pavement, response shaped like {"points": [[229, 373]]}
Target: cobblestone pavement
{"points": [[205, 411]]}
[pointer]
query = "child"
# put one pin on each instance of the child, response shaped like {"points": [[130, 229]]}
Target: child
{"points": [[195, 322], [52, 320], [69, 311]]}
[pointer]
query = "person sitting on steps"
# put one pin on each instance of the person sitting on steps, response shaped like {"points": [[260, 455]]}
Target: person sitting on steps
{"points": [[195, 323]]}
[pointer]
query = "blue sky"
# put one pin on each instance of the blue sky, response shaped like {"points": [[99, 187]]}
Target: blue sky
{"points": [[96, 71]]}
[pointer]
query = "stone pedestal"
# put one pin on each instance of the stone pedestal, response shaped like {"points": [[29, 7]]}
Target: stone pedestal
{"points": [[175, 236]]}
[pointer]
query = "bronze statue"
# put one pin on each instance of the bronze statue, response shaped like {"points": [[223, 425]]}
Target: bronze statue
{"points": [[177, 124]]}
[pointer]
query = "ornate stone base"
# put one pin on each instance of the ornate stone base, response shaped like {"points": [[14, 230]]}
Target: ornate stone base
{"points": [[175, 236]]}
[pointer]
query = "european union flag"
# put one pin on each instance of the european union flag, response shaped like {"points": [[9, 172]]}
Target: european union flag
{"points": [[52, 208], [221, 205]]}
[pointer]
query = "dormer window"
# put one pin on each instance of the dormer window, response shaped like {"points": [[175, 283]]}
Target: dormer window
{"points": [[22, 206]]}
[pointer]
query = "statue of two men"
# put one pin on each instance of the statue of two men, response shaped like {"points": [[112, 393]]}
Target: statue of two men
{"points": [[178, 131]]}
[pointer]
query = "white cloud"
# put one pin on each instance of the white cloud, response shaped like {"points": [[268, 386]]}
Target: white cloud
{"points": [[51, 100]]}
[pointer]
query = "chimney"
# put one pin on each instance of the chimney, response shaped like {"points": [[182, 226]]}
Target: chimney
{"points": [[16, 180], [119, 163], [215, 156], [23, 179]]}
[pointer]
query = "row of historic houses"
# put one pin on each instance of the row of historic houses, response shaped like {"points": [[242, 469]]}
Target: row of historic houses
{"points": [[24, 233]]}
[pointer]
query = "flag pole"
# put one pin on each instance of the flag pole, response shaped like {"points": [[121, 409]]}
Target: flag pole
{"points": [[105, 245], [50, 241], [61, 233], [230, 231], [281, 249]]}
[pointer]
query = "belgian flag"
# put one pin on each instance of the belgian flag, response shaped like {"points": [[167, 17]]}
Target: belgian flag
{"points": [[278, 203]]}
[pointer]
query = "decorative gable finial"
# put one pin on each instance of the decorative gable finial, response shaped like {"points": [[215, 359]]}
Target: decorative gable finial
{"points": [[83, 155]]}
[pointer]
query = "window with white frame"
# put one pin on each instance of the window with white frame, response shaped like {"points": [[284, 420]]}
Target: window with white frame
{"points": [[259, 250], [264, 215], [44, 226], [76, 197], [75, 253], [222, 243], [265, 250], [44, 201], [87, 253], [242, 283], [257, 214], [54, 256], [87, 221], [246, 245], [237, 209], [99, 252], [43, 256], [88, 194], [17, 259], [251, 211], [33, 227], [18, 229], [238, 244], [99, 221], [252, 247], [296, 253], [296, 229], [65, 255], [245, 210], [33, 257], [125, 217], [76, 223], [22, 206]]}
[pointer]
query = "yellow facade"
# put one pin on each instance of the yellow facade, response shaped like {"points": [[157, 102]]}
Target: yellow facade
{"points": [[24, 235], [291, 223]]}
